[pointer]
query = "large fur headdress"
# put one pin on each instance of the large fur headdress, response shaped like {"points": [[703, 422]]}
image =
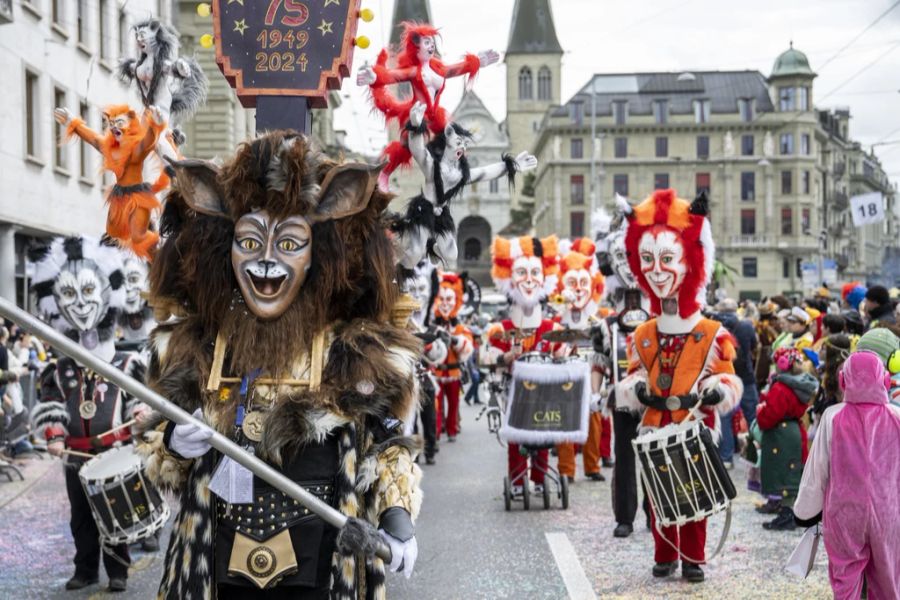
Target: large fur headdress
{"points": [[504, 253], [689, 222], [351, 274], [73, 255], [580, 254]]}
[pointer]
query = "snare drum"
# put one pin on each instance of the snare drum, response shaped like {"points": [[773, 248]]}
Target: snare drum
{"points": [[682, 473], [126, 506]]}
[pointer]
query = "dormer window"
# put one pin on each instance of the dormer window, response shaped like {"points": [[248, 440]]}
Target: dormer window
{"points": [[701, 111], [620, 111], [660, 112], [745, 108]]}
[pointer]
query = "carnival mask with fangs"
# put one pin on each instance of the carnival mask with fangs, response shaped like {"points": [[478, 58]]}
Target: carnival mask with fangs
{"points": [[271, 256]]}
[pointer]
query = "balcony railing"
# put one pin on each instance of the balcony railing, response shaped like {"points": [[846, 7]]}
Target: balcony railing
{"points": [[750, 241], [841, 202]]}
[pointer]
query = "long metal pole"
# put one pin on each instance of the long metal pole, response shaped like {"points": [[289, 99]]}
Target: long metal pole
{"points": [[174, 413]]}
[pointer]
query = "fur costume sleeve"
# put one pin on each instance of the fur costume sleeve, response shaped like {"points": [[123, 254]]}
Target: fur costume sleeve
{"points": [[626, 397], [50, 416], [177, 381], [718, 373]]}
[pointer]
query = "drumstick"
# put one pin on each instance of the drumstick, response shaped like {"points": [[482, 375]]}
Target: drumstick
{"points": [[118, 427], [77, 453]]}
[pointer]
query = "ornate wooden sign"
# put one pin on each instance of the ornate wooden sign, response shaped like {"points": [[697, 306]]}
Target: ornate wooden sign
{"points": [[285, 47]]}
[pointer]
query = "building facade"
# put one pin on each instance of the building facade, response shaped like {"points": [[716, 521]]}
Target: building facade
{"points": [[757, 146], [57, 53]]}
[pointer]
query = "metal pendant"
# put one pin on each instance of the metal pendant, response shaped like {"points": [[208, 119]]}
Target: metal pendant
{"points": [[253, 425], [664, 381], [87, 409]]}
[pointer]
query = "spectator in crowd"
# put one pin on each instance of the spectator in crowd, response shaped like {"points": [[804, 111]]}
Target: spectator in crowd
{"points": [[850, 483], [831, 325], [745, 335], [878, 306], [884, 343]]}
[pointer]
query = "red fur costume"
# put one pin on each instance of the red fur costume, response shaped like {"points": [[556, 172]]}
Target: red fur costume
{"points": [[409, 70]]}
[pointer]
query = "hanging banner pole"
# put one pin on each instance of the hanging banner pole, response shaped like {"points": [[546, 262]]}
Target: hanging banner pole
{"points": [[174, 413]]}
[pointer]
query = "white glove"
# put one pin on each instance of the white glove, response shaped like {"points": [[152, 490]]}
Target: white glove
{"points": [[403, 554], [597, 402], [190, 441], [366, 75]]}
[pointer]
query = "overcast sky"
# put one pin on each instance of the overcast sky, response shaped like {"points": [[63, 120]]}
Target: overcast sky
{"points": [[606, 36]]}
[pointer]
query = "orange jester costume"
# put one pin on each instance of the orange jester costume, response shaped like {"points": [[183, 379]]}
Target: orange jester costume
{"points": [[448, 373], [678, 358], [125, 145]]}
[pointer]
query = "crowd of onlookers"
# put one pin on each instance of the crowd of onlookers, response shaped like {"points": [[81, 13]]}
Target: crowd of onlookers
{"points": [[22, 357], [816, 371]]}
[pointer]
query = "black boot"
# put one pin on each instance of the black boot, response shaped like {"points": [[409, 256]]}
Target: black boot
{"points": [[665, 569], [693, 573], [783, 522], [77, 582], [769, 508], [623, 530]]}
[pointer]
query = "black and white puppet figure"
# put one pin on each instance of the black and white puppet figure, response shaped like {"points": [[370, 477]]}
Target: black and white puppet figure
{"points": [[278, 271], [427, 227], [610, 340], [136, 317], [176, 85], [79, 284], [422, 287]]}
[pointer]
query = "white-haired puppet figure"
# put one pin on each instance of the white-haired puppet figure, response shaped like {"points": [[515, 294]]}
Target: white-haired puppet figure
{"points": [[176, 85], [80, 287], [427, 227]]}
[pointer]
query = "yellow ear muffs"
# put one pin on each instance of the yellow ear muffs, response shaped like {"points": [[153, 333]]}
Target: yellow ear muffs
{"points": [[893, 363]]}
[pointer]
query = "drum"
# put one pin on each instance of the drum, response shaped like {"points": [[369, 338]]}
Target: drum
{"points": [[548, 401], [682, 473], [126, 506]]}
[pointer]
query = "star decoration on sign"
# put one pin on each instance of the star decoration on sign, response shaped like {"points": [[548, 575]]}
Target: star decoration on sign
{"points": [[240, 26], [336, 2], [325, 27]]}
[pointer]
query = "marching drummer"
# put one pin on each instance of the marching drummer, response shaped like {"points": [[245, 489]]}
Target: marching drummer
{"points": [[581, 286], [680, 359], [79, 413], [526, 270]]}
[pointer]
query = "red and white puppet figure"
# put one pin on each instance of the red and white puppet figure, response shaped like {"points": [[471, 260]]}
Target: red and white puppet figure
{"points": [[448, 373], [581, 284], [581, 287], [679, 355], [526, 269], [416, 63]]}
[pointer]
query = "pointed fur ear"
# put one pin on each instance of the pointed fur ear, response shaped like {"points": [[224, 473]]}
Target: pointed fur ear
{"points": [[346, 190], [700, 205], [198, 182]]}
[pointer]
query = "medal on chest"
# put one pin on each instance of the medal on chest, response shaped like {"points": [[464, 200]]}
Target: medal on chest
{"points": [[253, 425], [87, 409], [664, 381]]}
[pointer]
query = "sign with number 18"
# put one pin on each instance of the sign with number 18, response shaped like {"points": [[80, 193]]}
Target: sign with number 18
{"points": [[867, 209]]}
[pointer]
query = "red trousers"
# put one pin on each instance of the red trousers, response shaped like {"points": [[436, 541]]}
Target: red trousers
{"points": [[518, 463], [606, 438], [689, 538], [450, 393]]}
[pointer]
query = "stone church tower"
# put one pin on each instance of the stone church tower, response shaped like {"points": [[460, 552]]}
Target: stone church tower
{"points": [[533, 72]]}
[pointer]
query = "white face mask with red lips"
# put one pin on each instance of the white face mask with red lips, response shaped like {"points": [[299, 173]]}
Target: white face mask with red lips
{"points": [[663, 265]]}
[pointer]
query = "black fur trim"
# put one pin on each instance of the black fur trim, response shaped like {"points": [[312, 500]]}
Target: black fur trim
{"points": [[436, 148], [700, 205], [107, 241], [419, 212], [43, 289], [116, 279], [420, 130], [511, 168], [72, 246], [444, 223], [37, 252], [358, 537], [538, 248]]}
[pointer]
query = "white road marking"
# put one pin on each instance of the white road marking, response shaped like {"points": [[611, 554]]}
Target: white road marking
{"points": [[577, 584]]}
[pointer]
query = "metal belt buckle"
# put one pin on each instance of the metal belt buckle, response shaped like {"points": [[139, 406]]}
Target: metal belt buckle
{"points": [[673, 403]]}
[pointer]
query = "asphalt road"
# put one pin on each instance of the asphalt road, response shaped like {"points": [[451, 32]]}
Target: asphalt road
{"points": [[469, 546]]}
